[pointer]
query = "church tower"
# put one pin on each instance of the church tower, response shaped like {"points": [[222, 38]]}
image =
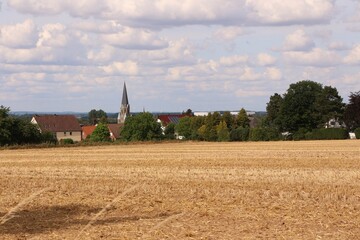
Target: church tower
{"points": [[125, 107]]}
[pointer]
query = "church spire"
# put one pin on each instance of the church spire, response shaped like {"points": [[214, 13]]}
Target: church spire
{"points": [[125, 107]]}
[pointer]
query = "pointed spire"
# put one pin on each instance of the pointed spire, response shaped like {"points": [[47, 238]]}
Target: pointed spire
{"points": [[125, 100], [125, 107]]}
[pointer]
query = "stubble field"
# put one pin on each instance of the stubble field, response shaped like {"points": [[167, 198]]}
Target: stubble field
{"points": [[268, 190]]}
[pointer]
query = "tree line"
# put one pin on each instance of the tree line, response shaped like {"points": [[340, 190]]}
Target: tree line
{"points": [[19, 131], [302, 112]]}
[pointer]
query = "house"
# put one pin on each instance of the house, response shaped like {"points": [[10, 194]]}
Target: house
{"points": [[61, 126], [166, 119], [114, 130], [87, 131]]}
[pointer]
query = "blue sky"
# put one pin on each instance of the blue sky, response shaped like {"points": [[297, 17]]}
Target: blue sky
{"points": [[173, 55]]}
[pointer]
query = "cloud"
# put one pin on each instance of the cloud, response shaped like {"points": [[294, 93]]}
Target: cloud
{"points": [[159, 13], [298, 41], [229, 33], [130, 38], [354, 56], [126, 68], [21, 35], [264, 59], [279, 12], [316, 57], [273, 73], [53, 35], [234, 60]]}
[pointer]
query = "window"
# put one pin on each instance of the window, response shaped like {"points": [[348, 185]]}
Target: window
{"points": [[70, 133], [64, 133]]}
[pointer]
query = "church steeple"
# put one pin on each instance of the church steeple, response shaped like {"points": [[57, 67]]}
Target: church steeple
{"points": [[125, 107]]}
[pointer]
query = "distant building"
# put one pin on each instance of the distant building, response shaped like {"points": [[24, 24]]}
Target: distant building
{"points": [[87, 131], [124, 108], [61, 126], [114, 130]]}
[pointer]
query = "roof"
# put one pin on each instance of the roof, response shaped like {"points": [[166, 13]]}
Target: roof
{"points": [[57, 123], [115, 129], [171, 118], [88, 130]]}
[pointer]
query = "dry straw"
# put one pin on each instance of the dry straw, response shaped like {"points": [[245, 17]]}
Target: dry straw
{"points": [[12, 213], [106, 208]]}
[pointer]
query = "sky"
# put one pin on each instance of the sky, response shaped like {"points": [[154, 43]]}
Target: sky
{"points": [[206, 55]]}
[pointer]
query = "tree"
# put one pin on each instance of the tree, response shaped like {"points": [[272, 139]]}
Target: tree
{"points": [[273, 110], [96, 116], [14, 130], [306, 105], [329, 105], [352, 111], [141, 127], [5, 126], [101, 133], [169, 131], [222, 132], [183, 128], [229, 120], [242, 120]]}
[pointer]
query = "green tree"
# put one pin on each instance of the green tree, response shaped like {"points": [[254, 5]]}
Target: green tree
{"points": [[183, 128], [222, 132], [5, 126], [169, 131], [101, 133], [96, 116], [229, 119], [352, 111], [141, 127], [273, 110], [195, 124], [329, 105], [242, 120], [307, 105]]}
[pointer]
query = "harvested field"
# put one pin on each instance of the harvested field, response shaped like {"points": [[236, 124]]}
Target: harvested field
{"points": [[267, 190]]}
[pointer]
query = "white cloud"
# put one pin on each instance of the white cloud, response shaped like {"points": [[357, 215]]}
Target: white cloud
{"points": [[290, 12], [174, 13], [338, 46], [298, 41], [233, 60], [264, 59], [126, 68], [249, 75], [273, 73], [131, 38], [354, 55], [21, 35], [53, 35], [317, 57], [229, 33]]}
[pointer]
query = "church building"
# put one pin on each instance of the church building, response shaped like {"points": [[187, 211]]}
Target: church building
{"points": [[124, 108]]}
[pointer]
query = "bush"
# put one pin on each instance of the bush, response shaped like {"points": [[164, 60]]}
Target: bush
{"points": [[264, 134], [66, 141], [239, 134], [327, 134], [258, 134], [300, 134], [357, 133]]}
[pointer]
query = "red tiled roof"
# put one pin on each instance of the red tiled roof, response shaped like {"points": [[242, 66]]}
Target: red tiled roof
{"points": [[115, 130], [170, 118], [87, 130], [58, 123]]}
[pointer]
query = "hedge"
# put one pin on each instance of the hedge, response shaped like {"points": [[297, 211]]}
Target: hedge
{"points": [[357, 133], [264, 134], [327, 134]]}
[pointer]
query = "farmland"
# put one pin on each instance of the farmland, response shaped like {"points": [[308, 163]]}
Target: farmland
{"points": [[190, 190]]}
